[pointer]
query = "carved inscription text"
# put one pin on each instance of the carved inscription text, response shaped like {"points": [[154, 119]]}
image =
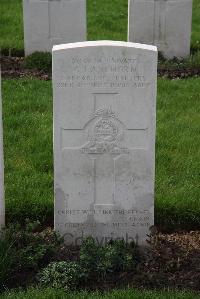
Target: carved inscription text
{"points": [[104, 72]]}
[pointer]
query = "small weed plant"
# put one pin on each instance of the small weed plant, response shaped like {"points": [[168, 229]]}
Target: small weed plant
{"points": [[115, 256], [61, 275]]}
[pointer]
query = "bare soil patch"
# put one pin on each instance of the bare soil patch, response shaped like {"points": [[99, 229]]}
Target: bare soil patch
{"points": [[171, 261], [13, 67]]}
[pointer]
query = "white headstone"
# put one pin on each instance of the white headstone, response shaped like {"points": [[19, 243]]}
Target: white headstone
{"points": [[163, 23], [2, 204], [104, 140], [53, 22]]}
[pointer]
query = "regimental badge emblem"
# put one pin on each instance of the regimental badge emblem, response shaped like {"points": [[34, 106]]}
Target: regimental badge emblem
{"points": [[105, 134]]}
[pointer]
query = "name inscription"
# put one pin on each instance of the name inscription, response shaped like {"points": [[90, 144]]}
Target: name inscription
{"points": [[104, 72]]}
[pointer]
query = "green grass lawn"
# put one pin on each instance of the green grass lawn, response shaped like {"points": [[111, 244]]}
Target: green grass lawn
{"points": [[29, 162], [126, 294], [28, 149], [11, 24], [106, 20]]}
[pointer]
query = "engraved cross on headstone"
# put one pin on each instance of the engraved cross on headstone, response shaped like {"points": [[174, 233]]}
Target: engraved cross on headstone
{"points": [[54, 35], [104, 144], [53, 19], [159, 22]]}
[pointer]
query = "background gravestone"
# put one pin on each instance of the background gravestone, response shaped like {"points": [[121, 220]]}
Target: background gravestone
{"points": [[53, 22], [163, 23], [104, 140], [2, 207]]}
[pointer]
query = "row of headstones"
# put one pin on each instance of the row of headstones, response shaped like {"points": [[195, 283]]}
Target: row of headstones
{"points": [[163, 23]]}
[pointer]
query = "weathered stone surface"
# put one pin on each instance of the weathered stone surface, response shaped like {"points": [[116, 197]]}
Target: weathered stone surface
{"points": [[104, 140], [53, 22], [2, 204], [163, 23]]}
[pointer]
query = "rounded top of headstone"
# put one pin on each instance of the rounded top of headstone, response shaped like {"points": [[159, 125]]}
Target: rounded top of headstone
{"points": [[104, 43]]}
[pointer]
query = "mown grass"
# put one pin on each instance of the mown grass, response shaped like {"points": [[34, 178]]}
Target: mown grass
{"points": [[106, 20], [196, 25], [11, 25], [29, 161], [177, 154], [28, 149], [121, 294]]}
